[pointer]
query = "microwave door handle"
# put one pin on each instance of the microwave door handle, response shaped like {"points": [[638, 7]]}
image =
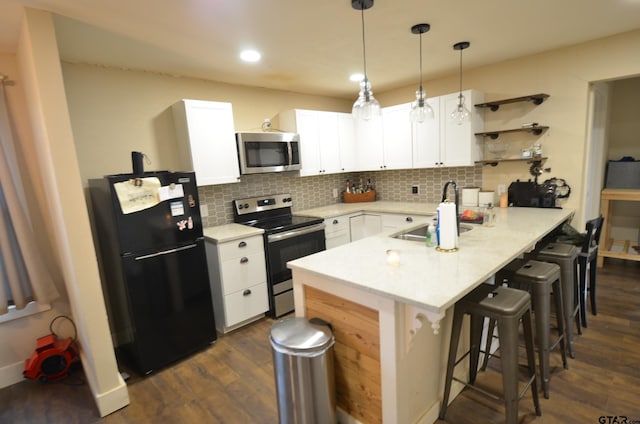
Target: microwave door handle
{"points": [[289, 154]]}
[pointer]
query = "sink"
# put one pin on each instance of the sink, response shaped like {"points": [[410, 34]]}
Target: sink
{"points": [[420, 233]]}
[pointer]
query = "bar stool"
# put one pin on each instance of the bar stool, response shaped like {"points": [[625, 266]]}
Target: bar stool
{"points": [[566, 257], [587, 257], [542, 278], [507, 307]]}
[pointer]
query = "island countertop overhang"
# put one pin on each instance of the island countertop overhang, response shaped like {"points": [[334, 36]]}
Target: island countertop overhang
{"points": [[426, 278]]}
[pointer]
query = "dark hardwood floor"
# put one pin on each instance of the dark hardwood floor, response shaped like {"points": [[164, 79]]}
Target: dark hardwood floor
{"points": [[232, 381]]}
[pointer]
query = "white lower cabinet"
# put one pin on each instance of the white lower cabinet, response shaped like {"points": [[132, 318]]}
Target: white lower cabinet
{"points": [[393, 221], [238, 277], [336, 231], [364, 225]]}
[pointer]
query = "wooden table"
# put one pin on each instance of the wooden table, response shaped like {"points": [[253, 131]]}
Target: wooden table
{"points": [[610, 248]]}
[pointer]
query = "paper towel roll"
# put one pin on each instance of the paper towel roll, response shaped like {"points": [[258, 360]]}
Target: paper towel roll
{"points": [[470, 196], [448, 226], [486, 197]]}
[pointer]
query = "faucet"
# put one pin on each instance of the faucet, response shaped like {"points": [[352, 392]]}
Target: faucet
{"points": [[444, 197]]}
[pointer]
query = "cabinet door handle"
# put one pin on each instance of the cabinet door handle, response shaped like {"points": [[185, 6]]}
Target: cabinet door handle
{"points": [[247, 292], [244, 260], [409, 219], [242, 244], [335, 221]]}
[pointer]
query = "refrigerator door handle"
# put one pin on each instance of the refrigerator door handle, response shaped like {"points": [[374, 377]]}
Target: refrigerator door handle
{"points": [[165, 252]]}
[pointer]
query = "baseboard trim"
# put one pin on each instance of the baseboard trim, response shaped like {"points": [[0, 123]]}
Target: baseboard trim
{"points": [[111, 400], [11, 374]]}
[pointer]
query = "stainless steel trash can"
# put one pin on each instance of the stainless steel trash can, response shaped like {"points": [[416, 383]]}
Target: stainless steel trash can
{"points": [[304, 373]]}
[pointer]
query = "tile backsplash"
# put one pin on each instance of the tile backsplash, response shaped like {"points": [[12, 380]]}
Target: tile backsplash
{"points": [[312, 192]]}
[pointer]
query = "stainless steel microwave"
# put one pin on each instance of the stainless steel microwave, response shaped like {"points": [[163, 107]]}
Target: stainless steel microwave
{"points": [[268, 152]]}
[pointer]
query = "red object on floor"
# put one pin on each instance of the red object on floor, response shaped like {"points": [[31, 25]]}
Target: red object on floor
{"points": [[51, 359]]}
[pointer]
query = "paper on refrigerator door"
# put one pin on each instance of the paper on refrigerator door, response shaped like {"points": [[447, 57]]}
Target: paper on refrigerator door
{"points": [[137, 194], [171, 191], [448, 226]]}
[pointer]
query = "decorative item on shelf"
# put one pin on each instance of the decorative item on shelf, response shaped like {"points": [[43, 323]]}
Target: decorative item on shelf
{"points": [[460, 114], [420, 109], [498, 148], [366, 106]]}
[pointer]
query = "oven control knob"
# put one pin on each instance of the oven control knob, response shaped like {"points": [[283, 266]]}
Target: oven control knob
{"points": [[240, 206], [246, 206], [286, 199]]}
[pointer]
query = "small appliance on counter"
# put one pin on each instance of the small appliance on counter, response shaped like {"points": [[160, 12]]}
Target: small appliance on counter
{"points": [[530, 194]]}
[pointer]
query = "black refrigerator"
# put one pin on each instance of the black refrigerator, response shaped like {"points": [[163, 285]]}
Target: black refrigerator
{"points": [[154, 266]]}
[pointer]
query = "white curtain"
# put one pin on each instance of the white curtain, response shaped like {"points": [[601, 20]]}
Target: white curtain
{"points": [[23, 274]]}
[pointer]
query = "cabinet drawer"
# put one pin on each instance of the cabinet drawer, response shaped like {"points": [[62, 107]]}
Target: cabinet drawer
{"points": [[335, 224], [337, 238], [244, 271], [241, 247], [245, 304]]}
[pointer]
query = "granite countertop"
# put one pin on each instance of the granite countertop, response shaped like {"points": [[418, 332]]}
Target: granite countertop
{"points": [[409, 208], [427, 278], [229, 232]]}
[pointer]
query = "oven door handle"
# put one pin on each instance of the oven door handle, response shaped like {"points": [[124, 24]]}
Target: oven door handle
{"points": [[272, 238]]}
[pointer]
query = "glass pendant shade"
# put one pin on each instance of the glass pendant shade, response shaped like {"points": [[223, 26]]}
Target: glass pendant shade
{"points": [[420, 109], [366, 107], [460, 114]]}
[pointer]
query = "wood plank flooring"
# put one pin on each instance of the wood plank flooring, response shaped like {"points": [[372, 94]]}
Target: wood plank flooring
{"points": [[232, 380]]}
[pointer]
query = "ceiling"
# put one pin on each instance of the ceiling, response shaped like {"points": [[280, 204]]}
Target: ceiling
{"points": [[312, 47]]}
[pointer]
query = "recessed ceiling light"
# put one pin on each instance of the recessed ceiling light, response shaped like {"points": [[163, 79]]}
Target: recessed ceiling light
{"points": [[356, 77], [250, 56]]}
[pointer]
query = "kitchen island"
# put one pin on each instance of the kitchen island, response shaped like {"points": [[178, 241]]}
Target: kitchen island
{"points": [[392, 318]]}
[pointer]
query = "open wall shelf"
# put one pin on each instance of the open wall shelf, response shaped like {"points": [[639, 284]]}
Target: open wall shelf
{"points": [[495, 162], [537, 130], [536, 99]]}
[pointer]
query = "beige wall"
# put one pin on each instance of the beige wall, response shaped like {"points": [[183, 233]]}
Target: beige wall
{"points": [[565, 75], [19, 336], [114, 112], [624, 137], [55, 155]]}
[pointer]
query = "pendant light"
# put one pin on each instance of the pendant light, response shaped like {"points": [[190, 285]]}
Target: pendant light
{"points": [[460, 114], [366, 106], [420, 109]]}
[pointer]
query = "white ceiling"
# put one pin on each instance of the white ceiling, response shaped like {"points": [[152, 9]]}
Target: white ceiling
{"points": [[313, 47]]}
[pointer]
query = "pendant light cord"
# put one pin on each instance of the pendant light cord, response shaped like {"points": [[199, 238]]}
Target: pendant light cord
{"points": [[460, 95], [421, 90], [364, 48]]}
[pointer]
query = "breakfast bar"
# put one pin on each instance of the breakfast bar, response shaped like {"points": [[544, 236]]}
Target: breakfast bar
{"points": [[389, 302]]}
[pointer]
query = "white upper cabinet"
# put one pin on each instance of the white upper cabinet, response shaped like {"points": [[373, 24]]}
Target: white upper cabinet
{"points": [[347, 136], [206, 141], [459, 144], [369, 150], [321, 135], [426, 139], [396, 137], [441, 142]]}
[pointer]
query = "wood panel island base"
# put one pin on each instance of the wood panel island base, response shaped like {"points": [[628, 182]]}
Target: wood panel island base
{"points": [[392, 320]]}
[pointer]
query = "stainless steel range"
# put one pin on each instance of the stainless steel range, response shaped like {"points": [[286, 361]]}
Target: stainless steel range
{"points": [[286, 237]]}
